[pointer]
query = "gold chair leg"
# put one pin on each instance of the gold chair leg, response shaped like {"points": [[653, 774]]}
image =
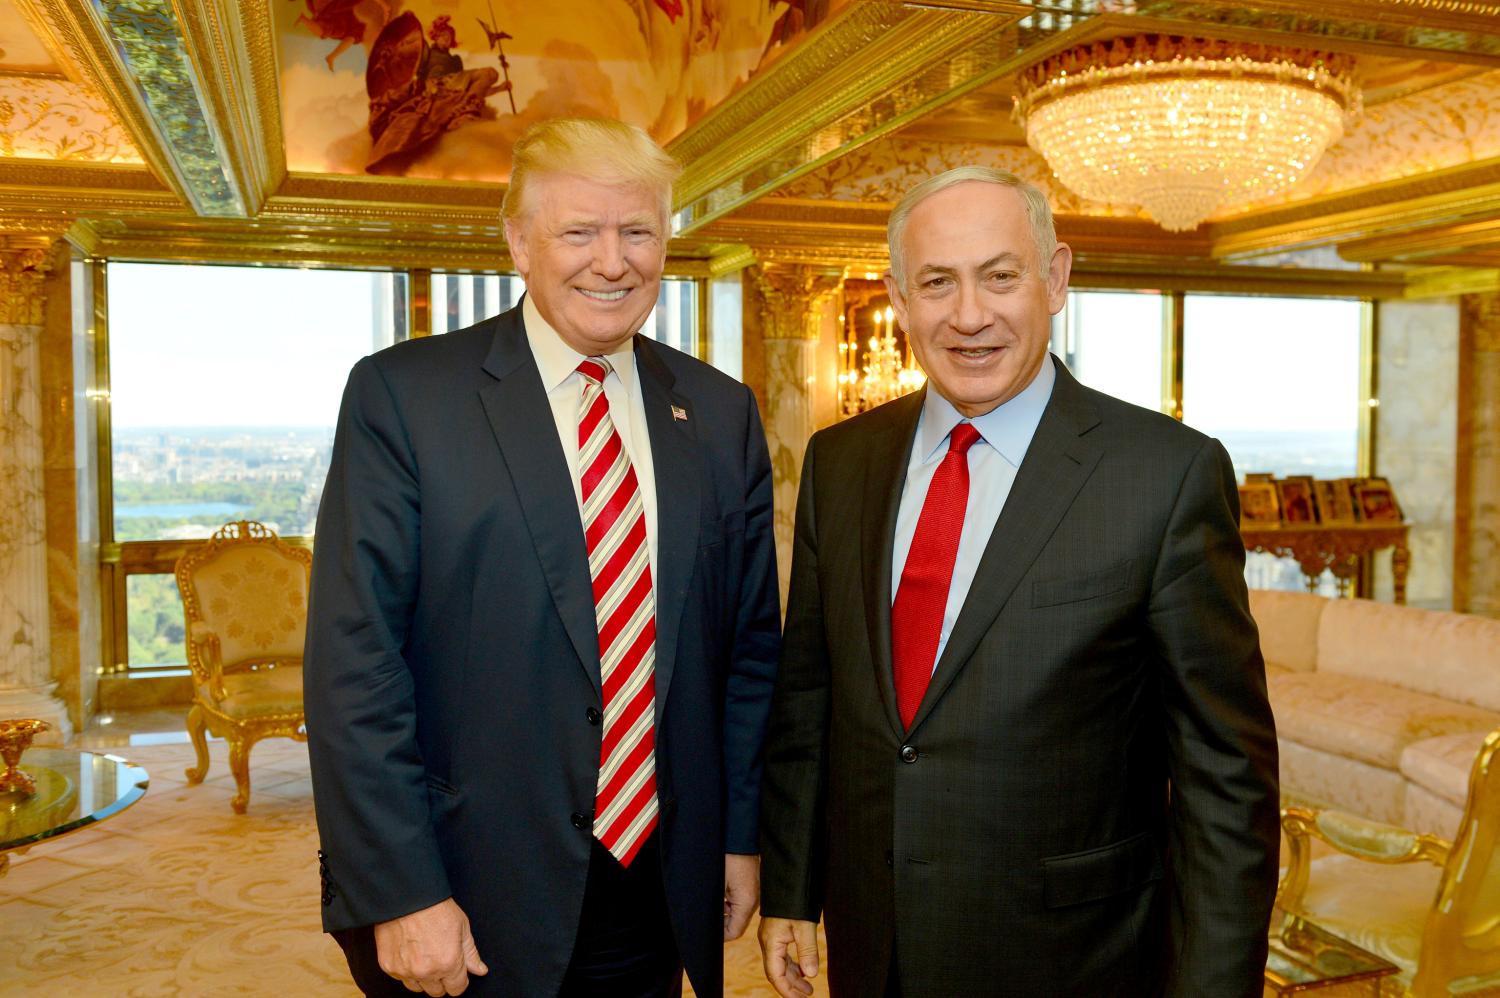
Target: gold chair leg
{"points": [[197, 726], [239, 765]]}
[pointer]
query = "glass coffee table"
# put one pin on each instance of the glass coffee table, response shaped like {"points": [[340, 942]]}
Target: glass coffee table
{"points": [[1304, 958], [74, 790]]}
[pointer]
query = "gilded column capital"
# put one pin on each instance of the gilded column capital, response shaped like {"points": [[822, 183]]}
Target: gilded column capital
{"points": [[791, 295], [24, 265]]}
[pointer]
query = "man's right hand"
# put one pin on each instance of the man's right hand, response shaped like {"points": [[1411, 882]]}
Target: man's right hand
{"points": [[431, 950], [790, 977]]}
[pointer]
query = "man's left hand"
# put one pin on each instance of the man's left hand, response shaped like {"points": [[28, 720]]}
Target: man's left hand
{"points": [[741, 893]]}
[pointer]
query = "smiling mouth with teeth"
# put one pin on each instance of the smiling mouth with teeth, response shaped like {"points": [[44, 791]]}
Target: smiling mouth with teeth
{"points": [[605, 295]]}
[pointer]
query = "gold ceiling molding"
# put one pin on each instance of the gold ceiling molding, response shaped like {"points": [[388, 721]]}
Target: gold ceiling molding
{"points": [[263, 241], [1415, 245], [1452, 282], [1452, 30], [869, 69], [1109, 272], [1445, 196], [70, 31], [232, 50]]}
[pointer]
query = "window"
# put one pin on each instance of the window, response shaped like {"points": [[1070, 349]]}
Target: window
{"points": [[225, 385], [1111, 341], [1277, 381], [460, 300]]}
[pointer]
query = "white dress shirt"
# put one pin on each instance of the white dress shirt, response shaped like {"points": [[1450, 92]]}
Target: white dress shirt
{"points": [[558, 364], [1005, 434]]}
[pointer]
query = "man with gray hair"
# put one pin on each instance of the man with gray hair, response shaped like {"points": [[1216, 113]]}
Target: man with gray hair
{"points": [[543, 627], [1030, 752]]}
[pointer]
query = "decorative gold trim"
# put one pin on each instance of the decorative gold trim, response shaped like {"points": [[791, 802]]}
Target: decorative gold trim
{"points": [[867, 70], [25, 262], [219, 45], [1451, 195], [71, 30], [1450, 282]]}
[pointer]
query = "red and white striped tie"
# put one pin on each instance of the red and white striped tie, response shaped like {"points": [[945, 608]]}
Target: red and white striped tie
{"points": [[614, 523]]}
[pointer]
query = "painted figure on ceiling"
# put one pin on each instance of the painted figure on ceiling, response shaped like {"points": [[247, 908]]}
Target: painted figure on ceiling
{"points": [[419, 91], [351, 22]]}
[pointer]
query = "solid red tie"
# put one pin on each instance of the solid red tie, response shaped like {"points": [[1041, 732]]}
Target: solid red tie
{"points": [[922, 596]]}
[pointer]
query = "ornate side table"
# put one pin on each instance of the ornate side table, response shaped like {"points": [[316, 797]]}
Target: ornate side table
{"points": [[1336, 548], [1305, 958]]}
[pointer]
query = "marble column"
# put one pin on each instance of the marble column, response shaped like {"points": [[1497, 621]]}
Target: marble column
{"points": [[1416, 439], [1477, 557], [792, 301], [26, 684]]}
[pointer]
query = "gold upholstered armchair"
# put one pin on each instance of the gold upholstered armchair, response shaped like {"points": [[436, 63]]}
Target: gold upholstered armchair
{"points": [[1429, 906], [244, 598]]}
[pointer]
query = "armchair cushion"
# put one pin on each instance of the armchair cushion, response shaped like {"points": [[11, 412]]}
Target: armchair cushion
{"points": [[258, 693], [255, 600], [1364, 719], [1378, 907]]}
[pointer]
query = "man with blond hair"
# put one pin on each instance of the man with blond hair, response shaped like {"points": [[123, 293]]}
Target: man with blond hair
{"points": [[544, 624], [1029, 752]]}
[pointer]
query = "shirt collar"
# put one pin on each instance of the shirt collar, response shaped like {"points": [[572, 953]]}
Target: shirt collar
{"points": [[1008, 427], [556, 361]]}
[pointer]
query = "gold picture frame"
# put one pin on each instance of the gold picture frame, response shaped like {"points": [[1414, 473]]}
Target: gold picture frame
{"points": [[1259, 503]]}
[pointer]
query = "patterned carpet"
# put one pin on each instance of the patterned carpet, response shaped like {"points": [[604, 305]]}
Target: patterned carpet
{"points": [[178, 896]]}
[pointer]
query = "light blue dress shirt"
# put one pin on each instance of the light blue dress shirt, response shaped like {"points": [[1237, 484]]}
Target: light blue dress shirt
{"points": [[1006, 433]]}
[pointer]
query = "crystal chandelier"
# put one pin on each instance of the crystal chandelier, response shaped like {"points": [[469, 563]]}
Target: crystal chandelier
{"points": [[1184, 127], [885, 373]]}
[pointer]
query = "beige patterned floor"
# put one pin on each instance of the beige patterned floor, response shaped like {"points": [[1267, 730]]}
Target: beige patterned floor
{"points": [[178, 896]]}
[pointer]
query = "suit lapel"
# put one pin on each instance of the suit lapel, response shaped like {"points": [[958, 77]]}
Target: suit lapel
{"points": [[885, 477], [1060, 459], [521, 418], [678, 472]]}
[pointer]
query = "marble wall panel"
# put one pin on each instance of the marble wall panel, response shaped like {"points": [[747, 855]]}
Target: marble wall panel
{"points": [[791, 366], [1416, 439], [1479, 551], [26, 686]]}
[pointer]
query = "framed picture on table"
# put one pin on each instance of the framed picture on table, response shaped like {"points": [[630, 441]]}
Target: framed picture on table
{"points": [[1376, 501], [1258, 503], [1298, 504], [1335, 503]]}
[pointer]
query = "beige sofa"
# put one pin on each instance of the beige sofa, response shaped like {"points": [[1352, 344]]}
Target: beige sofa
{"points": [[1380, 709]]}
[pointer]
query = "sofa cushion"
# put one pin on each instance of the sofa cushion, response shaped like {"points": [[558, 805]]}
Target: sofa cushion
{"points": [[1288, 625], [1428, 814], [1365, 720], [1321, 779], [1455, 656], [1442, 764]]}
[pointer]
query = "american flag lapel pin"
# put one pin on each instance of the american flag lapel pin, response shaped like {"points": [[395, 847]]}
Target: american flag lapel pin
{"points": [[678, 412]]}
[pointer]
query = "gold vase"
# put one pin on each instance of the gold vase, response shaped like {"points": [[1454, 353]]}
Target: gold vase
{"points": [[15, 738]]}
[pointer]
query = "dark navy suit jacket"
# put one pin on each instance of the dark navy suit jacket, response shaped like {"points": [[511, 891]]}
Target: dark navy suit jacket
{"points": [[452, 656]]}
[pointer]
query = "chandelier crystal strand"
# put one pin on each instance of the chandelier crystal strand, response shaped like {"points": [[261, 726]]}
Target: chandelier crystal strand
{"points": [[1182, 127]]}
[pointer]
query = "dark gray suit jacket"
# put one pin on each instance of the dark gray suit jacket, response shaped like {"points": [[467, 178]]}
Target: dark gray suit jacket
{"points": [[1021, 838], [452, 656]]}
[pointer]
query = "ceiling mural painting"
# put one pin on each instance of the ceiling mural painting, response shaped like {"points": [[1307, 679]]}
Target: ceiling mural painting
{"points": [[441, 89]]}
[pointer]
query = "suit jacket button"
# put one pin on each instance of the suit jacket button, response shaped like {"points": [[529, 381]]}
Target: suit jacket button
{"points": [[908, 753], [581, 822], [593, 715]]}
